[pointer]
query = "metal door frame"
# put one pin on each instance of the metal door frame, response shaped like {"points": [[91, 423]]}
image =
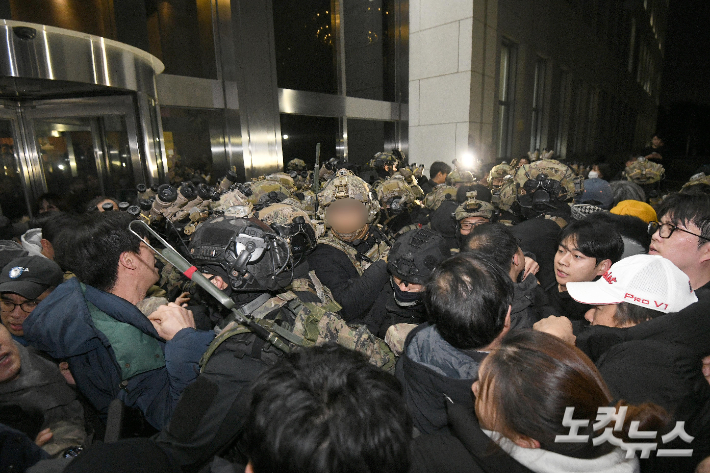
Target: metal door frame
{"points": [[9, 111], [22, 115]]}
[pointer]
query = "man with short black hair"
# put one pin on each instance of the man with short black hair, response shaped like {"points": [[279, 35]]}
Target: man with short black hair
{"points": [[469, 301], [438, 172], [325, 410], [496, 241], [113, 350], [585, 251]]}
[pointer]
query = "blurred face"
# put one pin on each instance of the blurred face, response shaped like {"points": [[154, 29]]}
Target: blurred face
{"points": [[681, 247], [573, 266], [13, 317], [405, 286], [346, 215], [468, 223], [656, 142], [9, 357], [602, 315]]}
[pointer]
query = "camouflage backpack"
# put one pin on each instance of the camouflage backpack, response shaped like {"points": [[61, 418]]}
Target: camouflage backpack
{"points": [[440, 193], [644, 171]]}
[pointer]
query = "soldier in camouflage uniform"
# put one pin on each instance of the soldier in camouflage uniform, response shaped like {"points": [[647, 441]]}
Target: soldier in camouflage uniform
{"points": [[471, 213], [648, 175], [411, 176], [442, 192], [399, 206], [350, 259], [543, 188], [459, 177], [209, 417]]}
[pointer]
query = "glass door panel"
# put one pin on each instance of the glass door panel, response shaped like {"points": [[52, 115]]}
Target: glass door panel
{"points": [[13, 203]]}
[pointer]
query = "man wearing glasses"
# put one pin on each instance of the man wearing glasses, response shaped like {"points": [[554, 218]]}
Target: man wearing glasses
{"points": [[25, 282], [682, 234]]}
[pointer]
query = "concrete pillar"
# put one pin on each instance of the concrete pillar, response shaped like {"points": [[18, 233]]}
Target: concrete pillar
{"points": [[452, 71]]}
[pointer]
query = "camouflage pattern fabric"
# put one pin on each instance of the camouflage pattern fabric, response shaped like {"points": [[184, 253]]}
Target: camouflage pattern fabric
{"points": [[234, 204], [395, 188], [645, 172], [261, 191], [283, 214], [458, 176], [701, 179], [282, 178], [308, 324], [296, 165], [473, 208], [346, 185], [440, 193], [376, 253], [499, 172], [396, 336], [571, 184], [308, 201]]}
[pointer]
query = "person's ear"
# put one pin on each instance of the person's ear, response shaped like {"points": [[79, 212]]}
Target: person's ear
{"points": [[705, 253], [127, 259], [603, 267], [526, 442], [506, 324], [249, 468]]}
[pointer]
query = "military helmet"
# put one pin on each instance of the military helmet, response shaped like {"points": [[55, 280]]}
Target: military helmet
{"points": [[296, 165], [440, 193], [459, 176], [474, 208], [394, 194], [557, 181], [234, 204], [308, 201], [346, 185], [499, 171], [383, 158], [265, 192], [294, 225], [246, 252], [697, 179], [644, 171], [415, 254], [284, 179]]}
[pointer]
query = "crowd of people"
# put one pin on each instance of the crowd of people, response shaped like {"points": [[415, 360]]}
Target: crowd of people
{"points": [[528, 316]]}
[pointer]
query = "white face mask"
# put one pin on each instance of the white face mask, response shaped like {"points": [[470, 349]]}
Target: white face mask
{"points": [[592, 175]]}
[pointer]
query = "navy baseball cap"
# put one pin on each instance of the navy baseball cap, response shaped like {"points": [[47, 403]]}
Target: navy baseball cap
{"points": [[30, 276]]}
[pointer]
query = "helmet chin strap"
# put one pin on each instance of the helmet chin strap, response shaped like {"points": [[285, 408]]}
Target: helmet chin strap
{"points": [[356, 235]]}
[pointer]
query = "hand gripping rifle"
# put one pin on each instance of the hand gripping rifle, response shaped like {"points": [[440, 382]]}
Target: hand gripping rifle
{"points": [[189, 270]]}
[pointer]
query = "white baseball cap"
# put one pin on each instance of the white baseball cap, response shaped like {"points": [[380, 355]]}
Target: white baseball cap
{"points": [[645, 280]]}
